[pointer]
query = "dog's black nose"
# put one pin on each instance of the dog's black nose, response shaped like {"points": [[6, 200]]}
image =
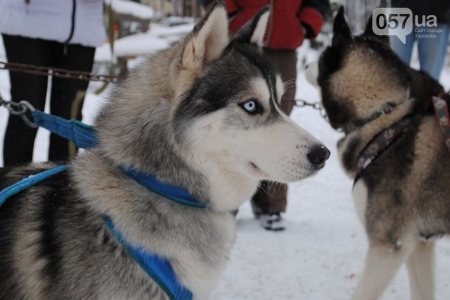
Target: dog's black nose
{"points": [[318, 155]]}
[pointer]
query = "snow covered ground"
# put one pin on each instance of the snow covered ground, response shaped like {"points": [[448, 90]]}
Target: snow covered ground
{"points": [[321, 254]]}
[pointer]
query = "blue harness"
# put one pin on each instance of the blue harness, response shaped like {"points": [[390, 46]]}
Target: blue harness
{"points": [[158, 268]]}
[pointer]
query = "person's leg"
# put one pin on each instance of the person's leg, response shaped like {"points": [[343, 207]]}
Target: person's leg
{"points": [[433, 50], [271, 198], [64, 91], [285, 61], [19, 137], [403, 50]]}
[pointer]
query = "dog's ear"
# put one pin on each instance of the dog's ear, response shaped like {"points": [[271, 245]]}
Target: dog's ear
{"points": [[207, 40], [254, 31], [368, 32], [341, 30]]}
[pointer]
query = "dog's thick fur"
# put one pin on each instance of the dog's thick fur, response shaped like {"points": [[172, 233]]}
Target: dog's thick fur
{"points": [[202, 115], [403, 198]]}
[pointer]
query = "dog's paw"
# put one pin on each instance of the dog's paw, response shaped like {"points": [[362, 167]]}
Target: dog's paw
{"points": [[273, 221]]}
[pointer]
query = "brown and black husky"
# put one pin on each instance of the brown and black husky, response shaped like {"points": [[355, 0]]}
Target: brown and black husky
{"points": [[403, 196]]}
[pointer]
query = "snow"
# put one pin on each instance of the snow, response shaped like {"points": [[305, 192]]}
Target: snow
{"points": [[321, 253], [164, 30], [137, 10], [158, 37], [133, 45]]}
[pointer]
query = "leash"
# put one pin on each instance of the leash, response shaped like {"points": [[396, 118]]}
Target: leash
{"points": [[156, 267], [79, 133]]}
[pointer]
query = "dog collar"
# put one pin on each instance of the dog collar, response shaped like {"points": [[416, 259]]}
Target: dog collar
{"points": [[386, 109], [380, 143], [168, 191]]}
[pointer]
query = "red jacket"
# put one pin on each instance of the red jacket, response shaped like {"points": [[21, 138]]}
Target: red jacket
{"points": [[290, 20]]}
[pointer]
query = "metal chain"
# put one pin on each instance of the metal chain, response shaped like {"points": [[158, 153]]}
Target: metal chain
{"points": [[19, 109], [315, 105], [23, 107], [56, 72]]}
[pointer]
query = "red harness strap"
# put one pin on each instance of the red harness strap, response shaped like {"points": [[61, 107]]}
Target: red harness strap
{"points": [[379, 144], [440, 105]]}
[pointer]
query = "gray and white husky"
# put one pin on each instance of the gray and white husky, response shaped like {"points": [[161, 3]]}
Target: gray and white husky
{"points": [[403, 196], [203, 116]]}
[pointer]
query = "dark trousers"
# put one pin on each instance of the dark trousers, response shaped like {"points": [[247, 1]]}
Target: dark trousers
{"points": [[19, 138], [272, 197]]}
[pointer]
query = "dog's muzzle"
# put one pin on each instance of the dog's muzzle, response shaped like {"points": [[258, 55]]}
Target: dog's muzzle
{"points": [[318, 155]]}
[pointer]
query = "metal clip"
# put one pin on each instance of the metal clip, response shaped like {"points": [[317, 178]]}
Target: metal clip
{"points": [[19, 109]]}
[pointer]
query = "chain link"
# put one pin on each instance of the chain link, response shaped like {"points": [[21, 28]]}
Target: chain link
{"points": [[315, 105], [56, 72], [19, 109]]}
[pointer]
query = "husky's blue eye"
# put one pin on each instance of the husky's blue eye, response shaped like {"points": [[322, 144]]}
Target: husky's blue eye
{"points": [[251, 106]]}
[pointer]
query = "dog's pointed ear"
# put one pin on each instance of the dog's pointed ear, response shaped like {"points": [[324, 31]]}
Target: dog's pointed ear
{"points": [[341, 30], [368, 32], [369, 28], [255, 30], [207, 40]]}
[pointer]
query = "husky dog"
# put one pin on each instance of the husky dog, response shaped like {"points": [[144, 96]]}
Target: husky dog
{"points": [[403, 196], [203, 116]]}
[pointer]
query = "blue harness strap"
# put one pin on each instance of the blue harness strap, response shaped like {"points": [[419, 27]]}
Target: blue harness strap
{"points": [[158, 268], [28, 182], [79, 133], [155, 266]]}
